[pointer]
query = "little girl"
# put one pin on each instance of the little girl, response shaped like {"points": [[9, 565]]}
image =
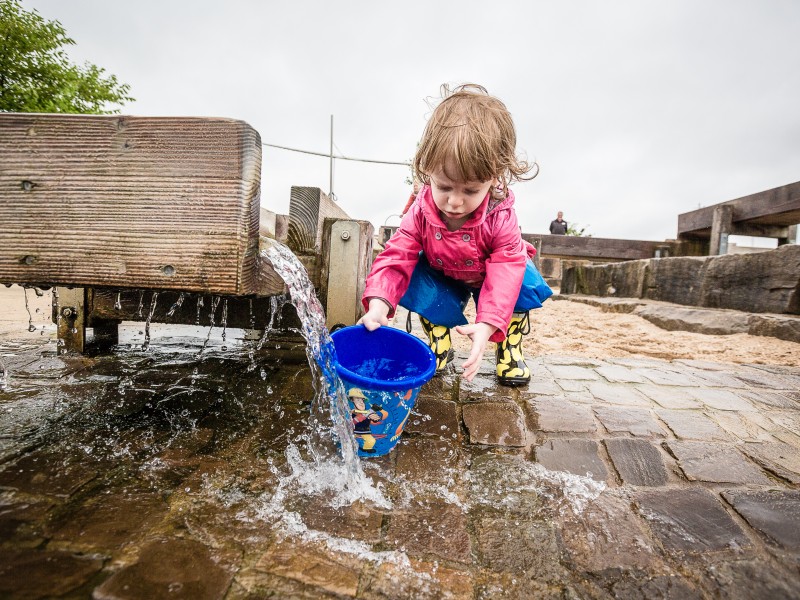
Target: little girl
{"points": [[460, 238]]}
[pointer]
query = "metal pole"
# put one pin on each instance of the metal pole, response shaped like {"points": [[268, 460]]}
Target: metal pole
{"points": [[330, 187]]}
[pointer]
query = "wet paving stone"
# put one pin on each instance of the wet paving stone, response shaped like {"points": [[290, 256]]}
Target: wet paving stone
{"points": [[572, 385], [662, 376], [775, 513], [571, 372], [715, 378], [427, 459], [106, 524], [48, 472], [619, 374], [690, 521], [636, 584], [748, 579], [781, 459], [543, 387], [722, 400], [22, 518], [556, 414], [436, 417], [507, 586], [325, 571], [171, 568], [424, 580], [438, 529], [692, 425], [786, 419], [622, 542], [527, 548], [504, 485], [670, 397], [767, 399], [175, 482], [619, 394], [635, 421], [576, 456], [495, 423], [44, 573], [718, 463], [638, 462], [757, 378], [746, 426]]}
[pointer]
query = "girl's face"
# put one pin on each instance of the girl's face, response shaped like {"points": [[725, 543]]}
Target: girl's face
{"points": [[457, 200]]}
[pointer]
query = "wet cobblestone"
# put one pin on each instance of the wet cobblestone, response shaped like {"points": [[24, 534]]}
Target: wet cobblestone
{"points": [[127, 477]]}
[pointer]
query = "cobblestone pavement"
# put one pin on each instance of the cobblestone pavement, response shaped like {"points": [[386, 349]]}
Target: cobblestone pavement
{"points": [[131, 476]]}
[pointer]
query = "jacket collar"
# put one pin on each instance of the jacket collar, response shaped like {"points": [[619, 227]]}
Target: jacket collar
{"points": [[478, 217]]}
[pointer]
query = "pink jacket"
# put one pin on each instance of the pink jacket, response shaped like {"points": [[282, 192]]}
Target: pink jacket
{"points": [[487, 252]]}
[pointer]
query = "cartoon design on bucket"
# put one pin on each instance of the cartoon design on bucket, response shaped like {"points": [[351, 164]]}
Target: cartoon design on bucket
{"points": [[382, 372], [364, 418]]}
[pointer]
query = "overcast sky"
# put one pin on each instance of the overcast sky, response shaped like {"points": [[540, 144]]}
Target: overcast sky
{"points": [[636, 111]]}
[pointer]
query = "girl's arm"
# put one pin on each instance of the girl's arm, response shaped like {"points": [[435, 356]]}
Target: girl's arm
{"points": [[391, 270], [505, 269]]}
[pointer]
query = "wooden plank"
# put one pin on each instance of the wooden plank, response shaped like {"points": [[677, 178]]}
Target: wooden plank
{"points": [[138, 202], [778, 206], [593, 248], [308, 209]]}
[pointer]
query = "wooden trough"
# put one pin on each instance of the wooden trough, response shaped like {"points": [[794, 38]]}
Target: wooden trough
{"points": [[106, 208]]}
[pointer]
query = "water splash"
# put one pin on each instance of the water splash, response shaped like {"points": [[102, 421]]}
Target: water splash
{"points": [[214, 304], [224, 322], [177, 305], [199, 308], [141, 304], [153, 301], [333, 463], [31, 326]]}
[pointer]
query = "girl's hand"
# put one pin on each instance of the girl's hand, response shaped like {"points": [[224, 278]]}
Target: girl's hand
{"points": [[479, 334], [377, 314]]}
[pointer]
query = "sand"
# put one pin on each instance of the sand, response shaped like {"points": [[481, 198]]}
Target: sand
{"points": [[576, 329], [559, 328]]}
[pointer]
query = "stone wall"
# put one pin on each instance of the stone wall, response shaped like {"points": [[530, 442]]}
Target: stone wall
{"points": [[766, 282]]}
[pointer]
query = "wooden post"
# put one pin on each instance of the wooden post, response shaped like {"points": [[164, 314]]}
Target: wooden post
{"points": [[536, 242], [791, 236], [71, 319], [346, 261], [308, 208], [721, 225]]}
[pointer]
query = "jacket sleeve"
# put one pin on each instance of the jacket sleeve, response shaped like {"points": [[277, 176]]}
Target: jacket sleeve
{"points": [[505, 269], [391, 270]]}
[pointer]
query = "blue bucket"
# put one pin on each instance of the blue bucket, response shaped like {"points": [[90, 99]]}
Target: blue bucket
{"points": [[382, 372]]}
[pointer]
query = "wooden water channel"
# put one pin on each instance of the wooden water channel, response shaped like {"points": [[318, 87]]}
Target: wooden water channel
{"points": [[109, 209]]}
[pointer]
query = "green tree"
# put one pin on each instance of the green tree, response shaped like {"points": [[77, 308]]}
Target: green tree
{"points": [[37, 76], [578, 231]]}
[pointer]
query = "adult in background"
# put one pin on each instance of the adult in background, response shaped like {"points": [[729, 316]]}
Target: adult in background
{"points": [[559, 225]]}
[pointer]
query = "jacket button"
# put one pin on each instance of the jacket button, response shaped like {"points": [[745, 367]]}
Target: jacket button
{"points": [[439, 261], [438, 235], [469, 263], [465, 237]]}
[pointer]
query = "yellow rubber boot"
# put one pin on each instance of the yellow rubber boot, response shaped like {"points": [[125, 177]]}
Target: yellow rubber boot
{"points": [[439, 341], [511, 367]]}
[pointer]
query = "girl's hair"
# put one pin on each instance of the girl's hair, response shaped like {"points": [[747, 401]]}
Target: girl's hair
{"points": [[474, 130]]}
